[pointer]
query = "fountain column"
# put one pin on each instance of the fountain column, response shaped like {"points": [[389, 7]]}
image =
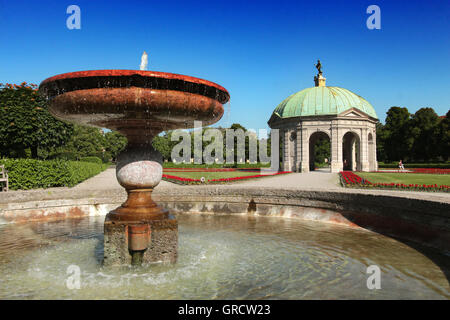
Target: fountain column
{"points": [[139, 231]]}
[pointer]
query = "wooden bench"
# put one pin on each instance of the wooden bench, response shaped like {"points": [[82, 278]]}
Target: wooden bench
{"points": [[4, 177]]}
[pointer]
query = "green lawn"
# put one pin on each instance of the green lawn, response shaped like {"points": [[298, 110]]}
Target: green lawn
{"points": [[212, 175], [406, 178]]}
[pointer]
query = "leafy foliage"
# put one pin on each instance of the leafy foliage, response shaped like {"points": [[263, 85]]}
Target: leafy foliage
{"points": [[114, 143], [92, 159], [424, 125], [163, 144], [422, 136], [85, 142], [26, 124], [31, 174], [322, 150], [397, 135], [408, 165], [443, 136]]}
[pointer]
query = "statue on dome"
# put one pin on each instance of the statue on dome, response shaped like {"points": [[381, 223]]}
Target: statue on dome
{"points": [[319, 67]]}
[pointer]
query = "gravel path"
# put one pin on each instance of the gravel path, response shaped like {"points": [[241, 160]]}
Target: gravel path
{"points": [[106, 180], [316, 180]]}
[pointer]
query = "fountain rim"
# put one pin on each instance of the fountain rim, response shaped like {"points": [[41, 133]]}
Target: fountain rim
{"points": [[130, 73]]}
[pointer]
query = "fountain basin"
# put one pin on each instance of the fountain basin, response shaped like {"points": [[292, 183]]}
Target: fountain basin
{"points": [[135, 103], [235, 243], [220, 257], [399, 215]]}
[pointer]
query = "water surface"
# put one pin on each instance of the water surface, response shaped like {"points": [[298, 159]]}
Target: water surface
{"points": [[221, 257]]}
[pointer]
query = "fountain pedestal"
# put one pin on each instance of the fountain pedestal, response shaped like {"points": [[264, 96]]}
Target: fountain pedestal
{"points": [[161, 247], [139, 231]]}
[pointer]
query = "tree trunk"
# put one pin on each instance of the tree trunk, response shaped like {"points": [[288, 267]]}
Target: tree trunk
{"points": [[34, 152]]}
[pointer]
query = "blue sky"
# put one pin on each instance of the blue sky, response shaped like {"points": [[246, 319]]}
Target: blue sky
{"points": [[261, 51]]}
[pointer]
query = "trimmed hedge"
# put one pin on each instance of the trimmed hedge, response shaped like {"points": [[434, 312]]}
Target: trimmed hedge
{"points": [[27, 174], [216, 165], [92, 159], [414, 165]]}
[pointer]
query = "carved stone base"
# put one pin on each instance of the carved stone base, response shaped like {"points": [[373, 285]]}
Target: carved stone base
{"points": [[336, 166], [304, 167], [365, 166], [162, 246]]}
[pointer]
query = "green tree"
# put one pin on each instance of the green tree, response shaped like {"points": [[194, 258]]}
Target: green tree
{"points": [[397, 138], [85, 142], [163, 144], [443, 137], [237, 126], [26, 124], [424, 127], [322, 149], [382, 137], [114, 144]]}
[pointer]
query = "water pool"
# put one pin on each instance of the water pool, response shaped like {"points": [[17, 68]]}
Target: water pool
{"points": [[221, 257]]}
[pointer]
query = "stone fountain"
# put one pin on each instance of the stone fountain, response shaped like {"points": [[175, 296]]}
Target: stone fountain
{"points": [[140, 105]]}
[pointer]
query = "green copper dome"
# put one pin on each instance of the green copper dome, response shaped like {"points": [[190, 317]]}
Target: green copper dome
{"points": [[322, 100]]}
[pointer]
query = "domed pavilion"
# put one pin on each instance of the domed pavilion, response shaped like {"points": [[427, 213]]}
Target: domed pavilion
{"points": [[323, 112]]}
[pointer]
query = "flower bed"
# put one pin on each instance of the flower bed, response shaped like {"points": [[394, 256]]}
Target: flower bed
{"points": [[199, 169], [181, 180], [247, 177], [430, 170], [414, 187], [350, 179], [211, 169]]}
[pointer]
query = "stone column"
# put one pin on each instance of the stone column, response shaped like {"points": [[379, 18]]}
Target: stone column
{"points": [[299, 151], [287, 163], [354, 160], [336, 149], [375, 162], [364, 150], [305, 150], [283, 147], [292, 149]]}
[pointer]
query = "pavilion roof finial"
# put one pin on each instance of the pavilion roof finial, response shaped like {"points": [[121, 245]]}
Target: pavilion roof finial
{"points": [[319, 79], [319, 66]]}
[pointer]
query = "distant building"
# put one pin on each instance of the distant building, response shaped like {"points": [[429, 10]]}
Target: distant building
{"points": [[338, 114]]}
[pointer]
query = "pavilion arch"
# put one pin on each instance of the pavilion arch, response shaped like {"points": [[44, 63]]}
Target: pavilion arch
{"points": [[313, 138], [351, 151]]}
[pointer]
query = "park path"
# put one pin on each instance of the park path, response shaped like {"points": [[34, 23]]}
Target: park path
{"points": [[317, 180], [106, 180]]}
